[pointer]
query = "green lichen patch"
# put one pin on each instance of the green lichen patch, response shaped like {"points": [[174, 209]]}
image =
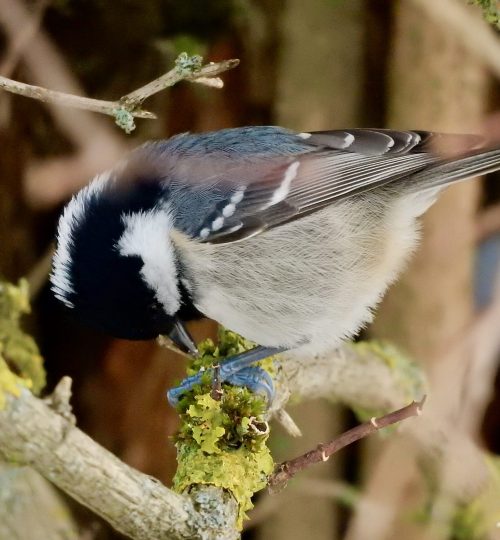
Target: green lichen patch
{"points": [[223, 442], [124, 119], [241, 472], [188, 64], [20, 360]]}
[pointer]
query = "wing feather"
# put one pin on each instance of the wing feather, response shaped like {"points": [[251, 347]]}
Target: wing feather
{"points": [[274, 175]]}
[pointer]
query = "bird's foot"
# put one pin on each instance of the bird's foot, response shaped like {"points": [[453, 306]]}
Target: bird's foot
{"points": [[237, 370]]}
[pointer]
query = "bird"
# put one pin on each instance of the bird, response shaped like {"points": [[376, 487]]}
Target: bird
{"points": [[288, 238]]}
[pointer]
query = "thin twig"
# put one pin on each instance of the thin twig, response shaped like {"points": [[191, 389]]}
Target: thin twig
{"points": [[66, 100], [128, 106], [288, 469], [174, 76]]}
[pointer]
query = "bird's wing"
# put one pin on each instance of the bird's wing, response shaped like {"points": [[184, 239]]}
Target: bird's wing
{"points": [[240, 194]]}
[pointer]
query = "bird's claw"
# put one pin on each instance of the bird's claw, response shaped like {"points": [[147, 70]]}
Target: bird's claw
{"points": [[237, 370]]}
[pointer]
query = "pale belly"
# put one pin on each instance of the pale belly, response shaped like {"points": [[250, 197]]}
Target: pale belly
{"points": [[310, 283]]}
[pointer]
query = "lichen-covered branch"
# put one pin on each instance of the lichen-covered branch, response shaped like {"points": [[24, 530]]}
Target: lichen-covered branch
{"points": [[31, 432], [137, 505]]}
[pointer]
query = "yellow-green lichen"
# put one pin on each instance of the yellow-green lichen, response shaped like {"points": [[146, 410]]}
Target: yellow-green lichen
{"points": [[20, 360], [223, 442], [409, 377]]}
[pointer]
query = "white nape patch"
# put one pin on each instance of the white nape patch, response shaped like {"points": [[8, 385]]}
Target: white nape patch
{"points": [[60, 276], [217, 223], [147, 236], [348, 140], [237, 196], [304, 135], [204, 233], [229, 210], [284, 187]]}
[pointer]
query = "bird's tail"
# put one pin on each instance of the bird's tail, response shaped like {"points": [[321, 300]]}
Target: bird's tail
{"points": [[454, 170]]}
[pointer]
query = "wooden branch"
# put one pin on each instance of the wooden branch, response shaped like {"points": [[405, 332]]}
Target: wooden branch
{"points": [[42, 434], [288, 469], [137, 505], [66, 100], [128, 106], [202, 75]]}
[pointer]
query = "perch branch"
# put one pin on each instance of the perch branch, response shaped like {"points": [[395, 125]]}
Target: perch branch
{"points": [[288, 469], [135, 504], [33, 433]]}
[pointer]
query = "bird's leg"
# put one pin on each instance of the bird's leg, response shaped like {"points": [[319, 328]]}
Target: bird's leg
{"points": [[237, 370]]}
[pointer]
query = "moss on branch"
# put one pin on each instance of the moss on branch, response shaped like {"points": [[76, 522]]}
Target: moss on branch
{"points": [[223, 442]]}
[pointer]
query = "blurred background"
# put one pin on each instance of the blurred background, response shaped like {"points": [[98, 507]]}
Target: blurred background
{"points": [[306, 65]]}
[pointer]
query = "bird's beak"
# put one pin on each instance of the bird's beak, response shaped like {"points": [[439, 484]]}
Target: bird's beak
{"points": [[182, 339]]}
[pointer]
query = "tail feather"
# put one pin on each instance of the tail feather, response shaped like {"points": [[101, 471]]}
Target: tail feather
{"points": [[448, 172]]}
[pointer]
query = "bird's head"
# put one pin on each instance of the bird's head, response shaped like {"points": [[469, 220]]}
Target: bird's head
{"points": [[115, 266]]}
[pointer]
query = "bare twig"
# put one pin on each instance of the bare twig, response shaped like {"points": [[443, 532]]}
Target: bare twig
{"points": [[288, 469], [128, 106], [203, 75], [67, 100]]}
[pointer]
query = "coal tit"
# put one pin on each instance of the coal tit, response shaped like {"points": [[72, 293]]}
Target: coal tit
{"points": [[289, 239]]}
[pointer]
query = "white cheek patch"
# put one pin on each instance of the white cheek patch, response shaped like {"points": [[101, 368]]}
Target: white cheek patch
{"points": [[60, 276], [147, 235]]}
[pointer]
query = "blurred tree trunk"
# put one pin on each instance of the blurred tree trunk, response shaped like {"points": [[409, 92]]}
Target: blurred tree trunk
{"points": [[319, 86], [434, 84]]}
